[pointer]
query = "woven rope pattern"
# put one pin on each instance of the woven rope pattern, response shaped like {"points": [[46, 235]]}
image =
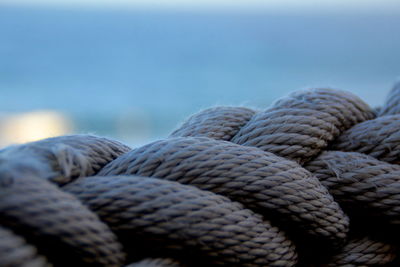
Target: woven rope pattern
{"points": [[156, 262], [14, 251], [260, 180], [188, 218], [313, 180], [392, 103]]}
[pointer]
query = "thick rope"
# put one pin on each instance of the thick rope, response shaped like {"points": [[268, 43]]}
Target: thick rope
{"points": [[260, 180], [63, 158], [152, 214], [379, 138], [392, 103], [362, 185], [157, 262], [221, 123], [14, 251], [252, 205], [59, 226], [364, 252], [299, 126]]}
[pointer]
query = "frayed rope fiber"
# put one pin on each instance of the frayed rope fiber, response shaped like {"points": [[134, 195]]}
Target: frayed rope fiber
{"points": [[313, 180]]}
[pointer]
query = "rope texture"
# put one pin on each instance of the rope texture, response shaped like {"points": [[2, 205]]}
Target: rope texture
{"points": [[14, 251], [261, 181], [156, 262], [188, 218], [313, 180]]}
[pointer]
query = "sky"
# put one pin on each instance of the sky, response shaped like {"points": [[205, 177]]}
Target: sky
{"points": [[353, 5]]}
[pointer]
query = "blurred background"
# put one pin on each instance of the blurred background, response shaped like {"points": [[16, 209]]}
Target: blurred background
{"points": [[133, 70]]}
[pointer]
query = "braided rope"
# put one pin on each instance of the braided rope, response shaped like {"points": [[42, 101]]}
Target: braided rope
{"points": [[379, 138], [57, 223], [186, 218], [260, 180], [220, 123], [157, 262], [65, 158], [14, 251], [231, 186], [299, 126], [392, 103], [361, 184], [364, 252]]}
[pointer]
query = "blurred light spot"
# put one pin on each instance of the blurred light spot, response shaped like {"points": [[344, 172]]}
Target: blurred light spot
{"points": [[32, 126]]}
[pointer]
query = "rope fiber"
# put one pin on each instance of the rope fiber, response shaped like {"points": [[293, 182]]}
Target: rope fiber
{"points": [[313, 180]]}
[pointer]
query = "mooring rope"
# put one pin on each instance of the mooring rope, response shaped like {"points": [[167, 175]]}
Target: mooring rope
{"points": [[313, 180]]}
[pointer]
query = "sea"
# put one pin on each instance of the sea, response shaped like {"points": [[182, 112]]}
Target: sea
{"points": [[136, 74]]}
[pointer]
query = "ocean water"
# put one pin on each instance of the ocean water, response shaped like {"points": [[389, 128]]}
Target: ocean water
{"points": [[144, 71]]}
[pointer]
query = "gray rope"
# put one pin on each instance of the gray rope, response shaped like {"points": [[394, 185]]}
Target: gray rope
{"points": [[299, 126], [392, 103], [59, 226], [145, 212], [360, 184], [379, 138], [156, 262], [364, 252], [220, 123], [252, 205], [65, 158], [15, 252], [259, 180]]}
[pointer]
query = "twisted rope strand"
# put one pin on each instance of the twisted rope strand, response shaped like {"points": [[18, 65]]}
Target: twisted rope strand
{"points": [[379, 138], [303, 138], [64, 158], [156, 262], [150, 211], [55, 222], [392, 103], [61, 202], [220, 123], [15, 252], [259, 180], [364, 252], [360, 184]]}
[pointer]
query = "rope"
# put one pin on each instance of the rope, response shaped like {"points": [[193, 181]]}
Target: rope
{"points": [[185, 218], [59, 225], [221, 123], [14, 251], [158, 262], [259, 180], [299, 126], [392, 103], [62, 159], [379, 138], [313, 180], [361, 184], [364, 252]]}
